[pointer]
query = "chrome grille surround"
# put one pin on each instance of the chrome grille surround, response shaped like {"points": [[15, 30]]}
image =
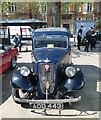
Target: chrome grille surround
{"points": [[45, 75]]}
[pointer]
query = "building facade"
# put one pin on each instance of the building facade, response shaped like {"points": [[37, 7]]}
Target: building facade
{"points": [[81, 11], [70, 12]]}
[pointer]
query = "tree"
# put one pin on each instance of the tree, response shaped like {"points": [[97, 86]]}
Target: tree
{"points": [[58, 14], [34, 9], [31, 8], [64, 5], [4, 6]]}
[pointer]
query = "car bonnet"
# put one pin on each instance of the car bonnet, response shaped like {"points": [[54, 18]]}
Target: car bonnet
{"points": [[55, 55]]}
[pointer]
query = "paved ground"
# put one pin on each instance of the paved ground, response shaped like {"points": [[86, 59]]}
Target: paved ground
{"points": [[87, 108]]}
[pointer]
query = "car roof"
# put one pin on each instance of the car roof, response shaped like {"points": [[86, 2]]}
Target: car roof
{"points": [[51, 31]]}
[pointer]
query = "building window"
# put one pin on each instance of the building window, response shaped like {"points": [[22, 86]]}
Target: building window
{"points": [[80, 19], [53, 21], [99, 6], [12, 7], [53, 8], [69, 8], [3, 33], [89, 7], [79, 8], [64, 9], [85, 7], [45, 7]]}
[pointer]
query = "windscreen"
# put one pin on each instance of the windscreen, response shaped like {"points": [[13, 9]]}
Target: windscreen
{"points": [[50, 41]]}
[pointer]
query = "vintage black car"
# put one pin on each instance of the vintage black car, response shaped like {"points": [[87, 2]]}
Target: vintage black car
{"points": [[53, 77]]}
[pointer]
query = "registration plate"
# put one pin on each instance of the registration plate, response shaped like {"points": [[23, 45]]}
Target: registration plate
{"points": [[48, 106]]}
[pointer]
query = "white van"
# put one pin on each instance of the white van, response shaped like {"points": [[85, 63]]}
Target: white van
{"points": [[24, 31]]}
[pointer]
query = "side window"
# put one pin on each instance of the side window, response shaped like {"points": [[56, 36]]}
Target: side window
{"points": [[3, 33]]}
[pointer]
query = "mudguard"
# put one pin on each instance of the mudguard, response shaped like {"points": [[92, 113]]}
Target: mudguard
{"points": [[74, 83], [18, 81]]}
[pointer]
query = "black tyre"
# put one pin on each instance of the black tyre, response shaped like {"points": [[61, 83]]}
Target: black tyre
{"points": [[13, 62], [17, 93]]}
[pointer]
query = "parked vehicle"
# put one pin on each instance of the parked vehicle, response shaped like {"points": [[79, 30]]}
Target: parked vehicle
{"points": [[8, 57], [98, 36], [53, 79]]}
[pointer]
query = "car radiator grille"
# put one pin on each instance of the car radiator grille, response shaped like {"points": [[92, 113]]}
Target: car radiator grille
{"points": [[47, 73]]}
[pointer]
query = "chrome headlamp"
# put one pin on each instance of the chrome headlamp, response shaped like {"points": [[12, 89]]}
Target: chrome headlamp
{"points": [[70, 71], [24, 71]]}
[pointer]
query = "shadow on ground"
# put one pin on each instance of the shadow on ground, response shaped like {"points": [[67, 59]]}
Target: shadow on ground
{"points": [[77, 53], [6, 87]]}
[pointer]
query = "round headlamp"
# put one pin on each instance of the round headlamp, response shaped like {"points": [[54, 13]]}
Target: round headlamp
{"points": [[70, 71], [24, 71]]}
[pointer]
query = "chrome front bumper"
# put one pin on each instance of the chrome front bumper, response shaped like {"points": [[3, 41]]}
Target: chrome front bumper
{"points": [[33, 101]]}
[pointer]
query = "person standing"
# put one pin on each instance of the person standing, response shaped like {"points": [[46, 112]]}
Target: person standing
{"points": [[15, 40], [93, 38], [79, 37], [88, 40]]}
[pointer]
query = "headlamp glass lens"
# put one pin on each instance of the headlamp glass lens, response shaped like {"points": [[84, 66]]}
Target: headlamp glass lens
{"points": [[24, 71], [70, 71]]}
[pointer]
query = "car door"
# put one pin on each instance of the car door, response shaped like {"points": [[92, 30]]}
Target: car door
{"points": [[4, 60]]}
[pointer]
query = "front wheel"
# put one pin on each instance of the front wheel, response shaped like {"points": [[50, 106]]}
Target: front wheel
{"points": [[15, 93], [13, 63], [20, 94]]}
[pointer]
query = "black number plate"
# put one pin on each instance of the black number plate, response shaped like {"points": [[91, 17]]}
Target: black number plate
{"points": [[48, 106]]}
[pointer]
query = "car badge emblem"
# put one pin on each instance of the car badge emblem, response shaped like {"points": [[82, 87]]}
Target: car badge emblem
{"points": [[47, 67]]}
